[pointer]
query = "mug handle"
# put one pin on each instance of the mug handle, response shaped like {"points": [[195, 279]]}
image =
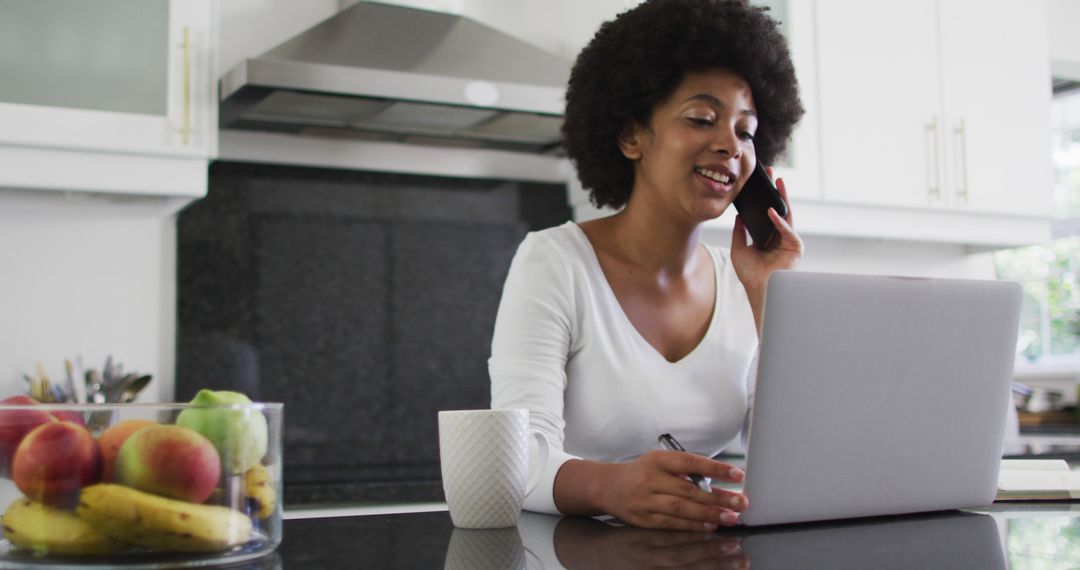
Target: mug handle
{"points": [[536, 471]]}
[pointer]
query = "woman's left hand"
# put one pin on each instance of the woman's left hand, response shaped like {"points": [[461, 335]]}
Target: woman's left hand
{"points": [[754, 266]]}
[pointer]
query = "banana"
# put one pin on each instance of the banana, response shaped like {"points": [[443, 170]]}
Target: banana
{"points": [[260, 489], [45, 530], [159, 523]]}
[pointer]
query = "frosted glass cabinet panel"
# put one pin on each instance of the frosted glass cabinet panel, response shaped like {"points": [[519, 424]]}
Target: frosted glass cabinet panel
{"points": [[132, 76], [81, 55]]}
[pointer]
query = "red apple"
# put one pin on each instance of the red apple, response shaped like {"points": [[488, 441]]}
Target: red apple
{"points": [[110, 441], [15, 424], [171, 461], [55, 461]]}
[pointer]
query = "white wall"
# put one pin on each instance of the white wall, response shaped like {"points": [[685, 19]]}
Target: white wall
{"points": [[880, 257], [559, 26], [85, 276]]}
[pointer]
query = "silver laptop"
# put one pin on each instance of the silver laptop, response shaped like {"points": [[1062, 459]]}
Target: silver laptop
{"points": [[879, 395]]}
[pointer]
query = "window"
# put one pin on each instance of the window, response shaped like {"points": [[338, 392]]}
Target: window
{"points": [[1050, 274]]}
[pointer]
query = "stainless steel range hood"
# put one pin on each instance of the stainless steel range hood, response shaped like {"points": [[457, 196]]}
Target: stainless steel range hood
{"points": [[389, 73]]}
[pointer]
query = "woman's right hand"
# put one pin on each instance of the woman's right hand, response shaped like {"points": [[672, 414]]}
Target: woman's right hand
{"points": [[652, 491]]}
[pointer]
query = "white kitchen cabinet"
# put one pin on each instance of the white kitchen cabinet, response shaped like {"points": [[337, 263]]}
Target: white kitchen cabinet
{"points": [[878, 82], [996, 106], [935, 104], [113, 89]]}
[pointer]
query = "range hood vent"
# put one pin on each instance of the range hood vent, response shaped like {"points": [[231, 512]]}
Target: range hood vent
{"points": [[389, 73]]}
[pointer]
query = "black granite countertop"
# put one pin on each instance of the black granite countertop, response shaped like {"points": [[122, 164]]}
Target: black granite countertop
{"points": [[1021, 535]]}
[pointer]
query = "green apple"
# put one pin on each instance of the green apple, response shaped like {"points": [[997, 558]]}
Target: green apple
{"points": [[240, 435]]}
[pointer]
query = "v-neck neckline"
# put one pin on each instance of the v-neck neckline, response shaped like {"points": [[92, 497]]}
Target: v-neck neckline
{"points": [[614, 299]]}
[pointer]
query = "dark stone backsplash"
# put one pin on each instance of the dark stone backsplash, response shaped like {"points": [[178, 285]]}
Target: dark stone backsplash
{"points": [[363, 301]]}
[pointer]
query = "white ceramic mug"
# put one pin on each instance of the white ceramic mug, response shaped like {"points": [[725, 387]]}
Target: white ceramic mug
{"points": [[485, 470]]}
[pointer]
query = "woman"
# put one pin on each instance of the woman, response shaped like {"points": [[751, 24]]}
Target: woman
{"points": [[616, 330]]}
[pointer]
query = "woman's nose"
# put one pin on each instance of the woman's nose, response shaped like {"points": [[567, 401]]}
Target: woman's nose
{"points": [[725, 141]]}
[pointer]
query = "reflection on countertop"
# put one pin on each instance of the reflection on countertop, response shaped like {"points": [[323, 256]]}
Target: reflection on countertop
{"points": [[941, 540], [1016, 536]]}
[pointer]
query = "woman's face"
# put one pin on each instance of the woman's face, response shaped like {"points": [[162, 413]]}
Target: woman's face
{"points": [[698, 149]]}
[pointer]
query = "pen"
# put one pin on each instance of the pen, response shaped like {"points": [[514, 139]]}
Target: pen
{"points": [[668, 442]]}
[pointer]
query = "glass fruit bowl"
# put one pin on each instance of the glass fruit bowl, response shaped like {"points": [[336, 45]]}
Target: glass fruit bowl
{"points": [[139, 485]]}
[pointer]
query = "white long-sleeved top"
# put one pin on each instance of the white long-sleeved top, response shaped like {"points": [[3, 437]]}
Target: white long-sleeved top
{"points": [[596, 389]]}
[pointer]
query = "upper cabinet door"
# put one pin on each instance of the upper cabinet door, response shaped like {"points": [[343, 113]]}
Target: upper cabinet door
{"points": [[995, 67], [880, 122], [130, 76]]}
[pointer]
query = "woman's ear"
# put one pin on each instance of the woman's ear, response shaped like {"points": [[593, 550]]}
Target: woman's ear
{"points": [[630, 141]]}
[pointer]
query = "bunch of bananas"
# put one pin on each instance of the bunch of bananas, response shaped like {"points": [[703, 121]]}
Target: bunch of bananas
{"points": [[111, 517]]}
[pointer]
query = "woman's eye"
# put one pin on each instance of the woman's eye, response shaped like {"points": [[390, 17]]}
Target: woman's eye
{"points": [[701, 121], [746, 135]]}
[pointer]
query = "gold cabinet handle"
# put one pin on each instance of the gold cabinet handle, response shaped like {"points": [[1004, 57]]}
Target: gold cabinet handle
{"points": [[960, 135], [185, 117], [934, 162]]}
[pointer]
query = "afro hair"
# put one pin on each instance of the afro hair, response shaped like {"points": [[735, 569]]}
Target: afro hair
{"points": [[639, 58]]}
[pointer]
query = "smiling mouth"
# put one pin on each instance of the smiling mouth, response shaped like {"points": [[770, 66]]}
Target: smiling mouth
{"points": [[713, 175]]}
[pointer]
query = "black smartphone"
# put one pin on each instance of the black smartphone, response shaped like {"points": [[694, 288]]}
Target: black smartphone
{"points": [[753, 203]]}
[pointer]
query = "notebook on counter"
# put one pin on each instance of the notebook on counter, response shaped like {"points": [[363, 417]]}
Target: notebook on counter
{"points": [[879, 395], [1037, 480]]}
